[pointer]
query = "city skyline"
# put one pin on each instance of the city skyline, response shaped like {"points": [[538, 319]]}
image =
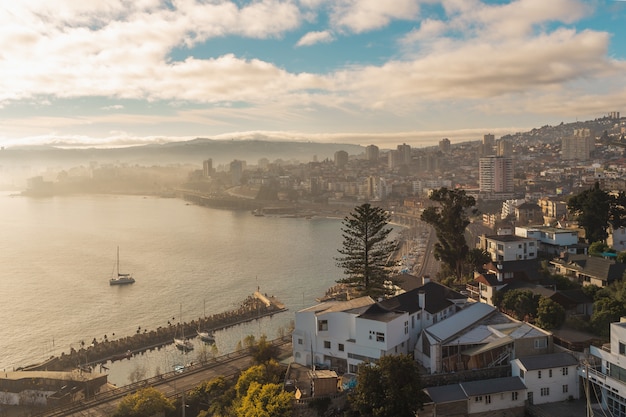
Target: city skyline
{"points": [[121, 73]]}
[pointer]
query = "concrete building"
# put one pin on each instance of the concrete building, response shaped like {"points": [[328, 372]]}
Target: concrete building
{"points": [[552, 241], [504, 147], [495, 174], [505, 248], [605, 370], [372, 154], [343, 334], [549, 378], [578, 146], [236, 171], [341, 159], [444, 145], [589, 270], [207, 168]]}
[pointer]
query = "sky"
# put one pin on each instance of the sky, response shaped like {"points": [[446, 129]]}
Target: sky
{"points": [[123, 72]]}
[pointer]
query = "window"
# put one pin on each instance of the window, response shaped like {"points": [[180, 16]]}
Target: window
{"points": [[565, 388], [541, 343], [412, 322], [550, 373], [478, 399], [514, 396], [300, 341], [622, 349], [487, 399], [545, 392], [326, 344], [565, 371], [521, 373], [406, 327], [322, 325], [340, 347], [539, 374], [380, 337], [353, 368]]}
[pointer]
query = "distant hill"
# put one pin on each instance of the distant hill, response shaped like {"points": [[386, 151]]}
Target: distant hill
{"points": [[188, 152]]}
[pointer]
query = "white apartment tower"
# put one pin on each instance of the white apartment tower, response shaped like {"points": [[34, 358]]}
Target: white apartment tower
{"points": [[496, 174]]}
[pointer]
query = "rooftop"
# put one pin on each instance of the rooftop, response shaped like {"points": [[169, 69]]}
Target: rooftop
{"points": [[553, 360]]}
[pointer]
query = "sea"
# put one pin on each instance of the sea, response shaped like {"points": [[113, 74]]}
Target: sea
{"points": [[57, 255]]}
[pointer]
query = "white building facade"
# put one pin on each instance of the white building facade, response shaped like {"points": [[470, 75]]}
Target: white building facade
{"points": [[549, 378]]}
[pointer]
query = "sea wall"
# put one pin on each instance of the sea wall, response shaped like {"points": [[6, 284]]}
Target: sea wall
{"points": [[251, 308]]}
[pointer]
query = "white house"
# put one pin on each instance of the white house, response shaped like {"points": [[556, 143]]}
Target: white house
{"points": [[549, 378], [551, 240], [606, 371], [490, 397], [504, 248], [343, 334], [617, 238]]}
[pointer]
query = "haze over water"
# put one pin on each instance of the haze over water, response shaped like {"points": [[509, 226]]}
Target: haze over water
{"points": [[57, 255]]}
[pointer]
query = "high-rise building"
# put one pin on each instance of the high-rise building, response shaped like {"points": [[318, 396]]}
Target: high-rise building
{"points": [[444, 145], [207, 168], [404, 154], [614, 115], [504, 147], [236, 171], [577, 147], [341, 159], [489, 139], [372, 153], [495, 174]]}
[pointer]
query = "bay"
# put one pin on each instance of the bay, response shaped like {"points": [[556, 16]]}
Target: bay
{"points": [[58, 253]]}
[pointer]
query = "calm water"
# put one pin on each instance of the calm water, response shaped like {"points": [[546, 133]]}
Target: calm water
{"points": [[57, 255]]}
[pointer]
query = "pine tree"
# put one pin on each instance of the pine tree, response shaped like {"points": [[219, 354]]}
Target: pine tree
{"points": [[366, 250]]}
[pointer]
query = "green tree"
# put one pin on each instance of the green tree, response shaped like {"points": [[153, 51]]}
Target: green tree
{"points": [[522, 304], [550, 314], [264, 351], [596, 248], [388, 388], [449, 220], [477, 258], [366, 250], [265, 373], [214, 396], [596, 210], [268, 400], [145, 402], [606, 310]]}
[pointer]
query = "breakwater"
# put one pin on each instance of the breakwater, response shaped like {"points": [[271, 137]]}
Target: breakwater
{"points": [[252, 308]]}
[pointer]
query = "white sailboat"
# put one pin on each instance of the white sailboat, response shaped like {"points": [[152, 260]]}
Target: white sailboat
{"points": [[180, 342], [121, 279]]}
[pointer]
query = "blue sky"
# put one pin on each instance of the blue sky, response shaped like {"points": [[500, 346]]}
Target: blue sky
{"points": [[118, 72]]}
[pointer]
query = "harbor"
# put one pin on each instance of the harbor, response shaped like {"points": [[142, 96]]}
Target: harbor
{"points": [[254, 307]]}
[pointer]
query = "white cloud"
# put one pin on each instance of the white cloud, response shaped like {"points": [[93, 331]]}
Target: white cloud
{"points": [[313, 38], [363, 15]]}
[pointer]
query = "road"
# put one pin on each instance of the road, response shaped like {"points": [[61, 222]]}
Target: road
{"points": [[171, 385]]}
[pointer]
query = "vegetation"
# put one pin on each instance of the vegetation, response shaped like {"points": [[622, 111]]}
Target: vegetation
{"points": [[596, 209], [212, 398], [145, 402], [449, 220], [550, 314], [521, 304], [388, 388], [268, 400], [366, 250]]}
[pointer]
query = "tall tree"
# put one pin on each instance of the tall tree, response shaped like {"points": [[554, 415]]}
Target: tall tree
{"points": [[550, 314], [268, 400], [388, 388], [366, 249], [596, 209], [145, 402], [449, 220]]}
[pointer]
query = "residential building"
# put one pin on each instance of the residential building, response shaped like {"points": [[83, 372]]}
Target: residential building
{"points": [[617, 239], [496, 175], [504, 147], [549, 378], [479, 337], [553, 210], [577, 147], [372, 153], [341, 159], [343, 334], [504, 248], [528, 213], [444, 145], [552, 241], [207, 168], [589, 270], [499, 396], [605, 371]]}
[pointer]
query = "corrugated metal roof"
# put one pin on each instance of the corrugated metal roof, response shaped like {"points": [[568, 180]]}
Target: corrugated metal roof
{"points": [[460, 321]]}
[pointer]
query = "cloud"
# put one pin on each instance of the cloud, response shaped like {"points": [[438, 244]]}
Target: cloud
{"points": [[113, 107], [313, 38], [363, 15]]}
